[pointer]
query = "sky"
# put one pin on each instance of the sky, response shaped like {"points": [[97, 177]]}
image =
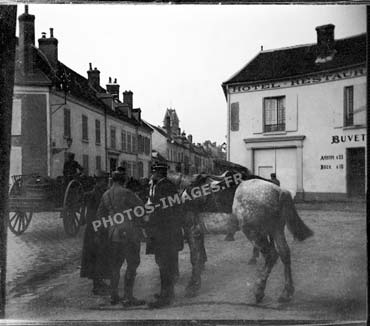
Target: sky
{"points": [[177, 56]]}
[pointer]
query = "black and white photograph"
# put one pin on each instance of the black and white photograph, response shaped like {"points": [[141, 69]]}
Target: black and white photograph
{"points": [[163, 162]]}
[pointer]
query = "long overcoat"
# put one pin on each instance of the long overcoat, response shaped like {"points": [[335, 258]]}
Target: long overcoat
{"points": [[94, 261], [164, 228], [119, 199]]}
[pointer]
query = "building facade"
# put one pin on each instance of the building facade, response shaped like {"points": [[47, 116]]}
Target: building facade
{"points": [[300, 112], [56, 111]]}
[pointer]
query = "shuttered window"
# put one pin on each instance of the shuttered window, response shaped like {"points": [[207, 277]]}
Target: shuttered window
{"points": [[147, 145], [97, 132], [113, 137], [348, 106], [234, 116], [67, 123], [129, 143], [274, 113], [98, 162], [140, 168], [123, 141], [134, 143], [85, 133], [85, 163]]}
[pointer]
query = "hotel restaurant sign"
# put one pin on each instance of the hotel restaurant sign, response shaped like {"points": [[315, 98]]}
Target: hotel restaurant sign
{"points": [[313, 79]]}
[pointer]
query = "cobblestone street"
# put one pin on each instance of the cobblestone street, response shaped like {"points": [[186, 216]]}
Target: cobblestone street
{"points": [[41, 253], [329, 272]]}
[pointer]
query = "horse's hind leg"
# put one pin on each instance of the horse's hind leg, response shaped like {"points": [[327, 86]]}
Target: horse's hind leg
{"points": [[284, 253], [196, 247], [256, 254], [270, 254]]}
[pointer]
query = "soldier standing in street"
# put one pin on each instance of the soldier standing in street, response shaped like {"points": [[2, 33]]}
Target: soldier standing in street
{"points": [[165, 236], [93, 264], [123, 239]]}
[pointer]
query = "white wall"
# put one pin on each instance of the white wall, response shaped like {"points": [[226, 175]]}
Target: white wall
{"points": [[315, 111]]}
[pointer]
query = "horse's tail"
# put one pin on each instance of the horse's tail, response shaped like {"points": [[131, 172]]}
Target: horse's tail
{"points": [[295, 224]]}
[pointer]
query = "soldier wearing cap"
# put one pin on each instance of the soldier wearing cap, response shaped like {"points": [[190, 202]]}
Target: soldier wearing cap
{"points": [[123, 239], [165, 237], [93, 261]]}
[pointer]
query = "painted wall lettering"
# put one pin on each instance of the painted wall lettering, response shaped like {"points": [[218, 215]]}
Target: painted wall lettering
{"points": [[299, 81], [347, 138]]}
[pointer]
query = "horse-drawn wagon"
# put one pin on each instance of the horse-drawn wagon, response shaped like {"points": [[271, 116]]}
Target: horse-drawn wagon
{"points": [[32, 193]]}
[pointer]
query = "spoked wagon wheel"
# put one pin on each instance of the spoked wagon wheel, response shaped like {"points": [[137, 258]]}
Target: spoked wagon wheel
{"points": [[72, 207], [19, 221]]}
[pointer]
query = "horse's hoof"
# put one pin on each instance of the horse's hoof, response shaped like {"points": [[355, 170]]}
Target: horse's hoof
{"points": [[191, 293], [191, 290], [286, 296], [229, 237], [252, 261], [259, 296]]}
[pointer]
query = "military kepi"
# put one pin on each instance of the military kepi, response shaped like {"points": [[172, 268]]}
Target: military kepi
{"points": [[160, 167]]}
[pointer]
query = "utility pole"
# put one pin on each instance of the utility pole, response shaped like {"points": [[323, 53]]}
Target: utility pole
{"points": [[8, 16]]}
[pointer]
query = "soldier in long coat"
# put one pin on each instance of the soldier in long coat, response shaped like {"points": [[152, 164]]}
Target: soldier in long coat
{"points": [[93, 261], [165, 236], [123, 238]]}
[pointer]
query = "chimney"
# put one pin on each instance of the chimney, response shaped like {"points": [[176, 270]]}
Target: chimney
{"points": [[113, 88], [127, 99], [26, 40], [49, 46], [136, 113], [93, 77], [325, 43], [190, 139]]}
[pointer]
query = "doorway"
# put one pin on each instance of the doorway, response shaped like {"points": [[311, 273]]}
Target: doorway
{"points": [[356, 172], [112, 164]]}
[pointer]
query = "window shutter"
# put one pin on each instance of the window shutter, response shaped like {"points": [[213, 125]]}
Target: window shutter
{"points": [[359, 102], [67, 123], [291, 113], [234, 116], [17, 117], [97, 131], [85, 134]]}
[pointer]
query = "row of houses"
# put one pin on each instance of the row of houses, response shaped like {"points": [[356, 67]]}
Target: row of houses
{"points": [[179, 151], [57, 111]]}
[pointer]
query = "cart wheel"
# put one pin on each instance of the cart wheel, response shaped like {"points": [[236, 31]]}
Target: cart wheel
{"points": [[72, 206], [19, 221]]}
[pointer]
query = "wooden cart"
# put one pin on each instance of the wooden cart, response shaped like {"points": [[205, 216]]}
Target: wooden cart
{"points": [[31, 194]]}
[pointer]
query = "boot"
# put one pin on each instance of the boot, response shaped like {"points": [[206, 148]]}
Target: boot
{"points": [[166, 297], [128, 298], [100, 288]]}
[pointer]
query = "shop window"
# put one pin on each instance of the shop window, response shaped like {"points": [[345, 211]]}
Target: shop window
{"points": [[348, 106], [274, 113]]}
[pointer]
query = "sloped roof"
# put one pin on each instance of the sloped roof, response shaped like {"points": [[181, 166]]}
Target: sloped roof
{"points": [[78, 86], [300, 60]]}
